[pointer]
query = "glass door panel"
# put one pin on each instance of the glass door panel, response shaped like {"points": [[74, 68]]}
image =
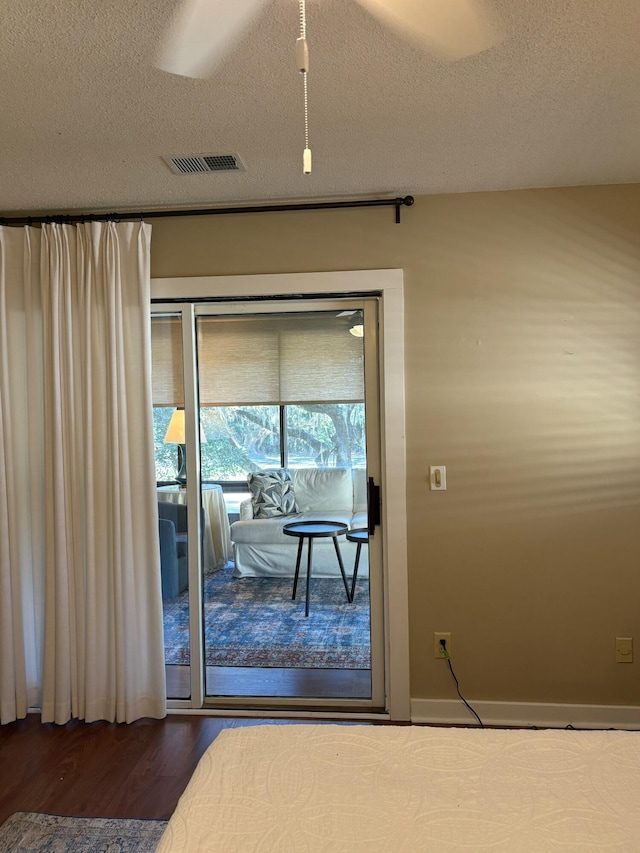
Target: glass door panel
{"points": [[173, 528], [286, 391]]}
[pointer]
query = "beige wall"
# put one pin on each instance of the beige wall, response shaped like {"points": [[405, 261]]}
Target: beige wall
{"points": [[523, 377]]}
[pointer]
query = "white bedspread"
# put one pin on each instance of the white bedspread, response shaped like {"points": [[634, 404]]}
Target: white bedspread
{"points": [[281, 788]]}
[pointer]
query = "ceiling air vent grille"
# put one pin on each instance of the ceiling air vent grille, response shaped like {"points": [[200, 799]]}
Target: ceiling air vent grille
{"points": [[199, 163]]}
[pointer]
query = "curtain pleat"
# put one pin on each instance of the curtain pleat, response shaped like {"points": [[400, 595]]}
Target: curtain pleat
{"points": [[102, 623]]}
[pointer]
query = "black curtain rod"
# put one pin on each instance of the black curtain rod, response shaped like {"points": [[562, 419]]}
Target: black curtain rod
{"points": [[61, 219]]}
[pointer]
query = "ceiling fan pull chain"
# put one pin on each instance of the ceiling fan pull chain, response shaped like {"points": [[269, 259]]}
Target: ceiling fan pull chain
{"points": [[302, 60]]}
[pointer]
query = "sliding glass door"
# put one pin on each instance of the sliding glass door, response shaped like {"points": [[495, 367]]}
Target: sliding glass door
{"points": [[287, 392]]}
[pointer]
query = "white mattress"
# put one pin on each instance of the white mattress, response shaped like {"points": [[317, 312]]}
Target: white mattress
{"points": [[281, 788]]}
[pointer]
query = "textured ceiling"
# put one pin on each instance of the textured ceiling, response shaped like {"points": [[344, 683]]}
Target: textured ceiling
{"points": [[86, 117]]}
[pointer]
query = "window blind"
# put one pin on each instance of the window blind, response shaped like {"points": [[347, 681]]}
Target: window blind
{"points": [[167, 387], [263, 360]]}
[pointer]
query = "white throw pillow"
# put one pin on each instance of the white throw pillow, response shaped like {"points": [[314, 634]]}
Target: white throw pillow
{"points": [[320, 489]]}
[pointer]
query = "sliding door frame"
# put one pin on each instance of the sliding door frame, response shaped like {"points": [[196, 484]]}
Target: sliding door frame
{"points": [[388, 285]]}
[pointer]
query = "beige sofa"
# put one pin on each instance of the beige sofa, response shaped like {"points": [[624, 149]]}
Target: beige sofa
{"points": [[261, 549]]}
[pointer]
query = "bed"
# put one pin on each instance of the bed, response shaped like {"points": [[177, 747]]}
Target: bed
{"points": [[399, 789]]}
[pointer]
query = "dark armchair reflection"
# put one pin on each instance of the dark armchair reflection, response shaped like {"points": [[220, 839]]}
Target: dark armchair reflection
{"points": [[174, 557]]}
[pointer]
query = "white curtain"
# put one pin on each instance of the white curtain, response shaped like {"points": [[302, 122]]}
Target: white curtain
{"points": [[80, 597]]}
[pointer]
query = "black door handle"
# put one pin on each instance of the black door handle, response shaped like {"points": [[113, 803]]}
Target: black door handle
{"points": [[373, 505]]}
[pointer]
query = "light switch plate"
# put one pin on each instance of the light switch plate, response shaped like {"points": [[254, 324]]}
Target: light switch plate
{"points": [[438, 478]]}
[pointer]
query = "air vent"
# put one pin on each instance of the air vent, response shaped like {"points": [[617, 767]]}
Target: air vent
{"points": [[199, 163]]}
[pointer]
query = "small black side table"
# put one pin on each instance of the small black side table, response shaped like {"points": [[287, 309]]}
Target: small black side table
{"points": [[361, 536], [311, 530]]}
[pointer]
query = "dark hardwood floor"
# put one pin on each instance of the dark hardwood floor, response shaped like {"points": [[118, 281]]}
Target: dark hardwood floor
{"points": [[103, 769]]}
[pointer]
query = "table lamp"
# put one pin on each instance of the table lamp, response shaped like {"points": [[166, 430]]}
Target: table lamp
{"points": [[175, 435]]}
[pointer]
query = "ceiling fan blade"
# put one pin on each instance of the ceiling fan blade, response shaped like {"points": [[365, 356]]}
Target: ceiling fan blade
{"points": [[203, 32], [450, 28]]}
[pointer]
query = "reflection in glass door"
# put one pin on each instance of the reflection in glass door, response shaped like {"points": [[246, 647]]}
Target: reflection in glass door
{"points": [[286, 425]]}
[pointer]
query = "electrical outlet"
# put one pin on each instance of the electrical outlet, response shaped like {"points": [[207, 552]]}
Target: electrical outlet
{"points": [[624, 649], [437, 648]]}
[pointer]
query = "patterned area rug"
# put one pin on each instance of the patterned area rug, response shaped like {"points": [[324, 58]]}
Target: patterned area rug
{"points": [[254, 622], [30, 831]]}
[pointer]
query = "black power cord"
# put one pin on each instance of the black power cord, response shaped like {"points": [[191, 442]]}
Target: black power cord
{"points": [[447, 657]]}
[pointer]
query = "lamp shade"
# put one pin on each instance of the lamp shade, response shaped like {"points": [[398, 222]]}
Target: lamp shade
{"points": [[175, 430]]}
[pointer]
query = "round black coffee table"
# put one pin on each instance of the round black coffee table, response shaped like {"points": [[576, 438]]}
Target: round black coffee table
{"points": [[311, 530], [361, 536]]}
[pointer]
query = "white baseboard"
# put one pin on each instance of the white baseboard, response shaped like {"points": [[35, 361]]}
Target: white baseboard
{"points": [[544, 715]]}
